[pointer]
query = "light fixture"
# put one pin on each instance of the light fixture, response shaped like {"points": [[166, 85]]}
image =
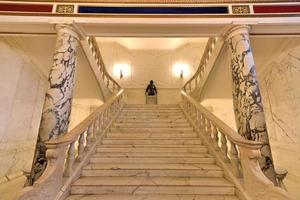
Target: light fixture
{"points": [[121, 70], [181, 70]]}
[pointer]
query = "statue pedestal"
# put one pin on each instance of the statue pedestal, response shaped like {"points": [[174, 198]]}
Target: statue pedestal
{"points": [[151, 99]]}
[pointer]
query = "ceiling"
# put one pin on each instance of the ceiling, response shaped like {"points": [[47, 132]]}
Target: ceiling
{"points": [[134, 43]]}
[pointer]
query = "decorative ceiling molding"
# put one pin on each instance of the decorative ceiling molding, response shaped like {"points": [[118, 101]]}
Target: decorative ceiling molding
{"points": [[161, 1]]}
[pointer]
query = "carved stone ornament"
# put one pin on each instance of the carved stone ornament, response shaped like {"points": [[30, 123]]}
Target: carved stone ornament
{"points": [[242, 9], [65, 9]]}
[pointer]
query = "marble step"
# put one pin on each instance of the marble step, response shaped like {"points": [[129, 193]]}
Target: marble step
{"points": [[145, 160], [151, 130], [151, 125], [159, 141], [150, 154], [152, 166], [137, 120], [152, 185], [151, 106], [151, 109], [151, 135], [151, 197], [149, 114], [150, 117], [202, 149], [154, 172], [151, 145]]}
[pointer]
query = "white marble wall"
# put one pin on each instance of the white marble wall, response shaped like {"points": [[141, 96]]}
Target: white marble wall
{"points": [[280, 91], [164, 96], [151, 64], [278, 65], [22, 92]]}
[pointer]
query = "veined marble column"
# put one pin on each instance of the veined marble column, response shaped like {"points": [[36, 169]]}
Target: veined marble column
{"points": [[248, 108], [58, 99]]}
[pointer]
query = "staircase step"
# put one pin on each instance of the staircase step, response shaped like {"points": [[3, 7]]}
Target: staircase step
{"points": [[153, 185], [151, 197], [152, 130], [202, 149], [159, 141], [151, 125], [151, 106], [150, 155], [171, 121], [151, 135], [151, 146], [181, 116], [145, 160], [154, 172], [152, 166], [159, 110]]}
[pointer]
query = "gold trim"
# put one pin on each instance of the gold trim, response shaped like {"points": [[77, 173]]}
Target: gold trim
{"points": [[149, 16], [241, 9], [158, 1], [65, 8]]}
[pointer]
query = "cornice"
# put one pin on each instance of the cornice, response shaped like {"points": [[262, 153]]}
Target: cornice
{"points": [[160, 1]]}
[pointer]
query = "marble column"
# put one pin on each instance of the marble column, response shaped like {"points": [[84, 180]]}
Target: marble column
{"points": [[248, 107], [58, 98]]}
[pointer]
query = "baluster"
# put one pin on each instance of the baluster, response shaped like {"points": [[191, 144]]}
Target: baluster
{"points": [[89, 137], [224, 147], [70, 159], [107, 82], [209, 130], [235, 161], [190, 87], [203, 124], [215, 137], [80, 146]]}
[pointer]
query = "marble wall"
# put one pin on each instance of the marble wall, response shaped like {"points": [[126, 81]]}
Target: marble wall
{"points": [[22, 92], [279, 77], [164, 96], [151, 64], [279, 83], [23, 74]]}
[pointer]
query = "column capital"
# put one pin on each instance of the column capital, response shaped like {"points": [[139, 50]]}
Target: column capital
{"points": [[67, 28], [236, 30]]}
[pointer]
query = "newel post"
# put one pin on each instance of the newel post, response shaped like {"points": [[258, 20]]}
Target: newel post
{"points": [[248, 107]]}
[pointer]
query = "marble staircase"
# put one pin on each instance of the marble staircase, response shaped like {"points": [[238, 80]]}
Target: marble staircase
{"points": [[152, 153]]}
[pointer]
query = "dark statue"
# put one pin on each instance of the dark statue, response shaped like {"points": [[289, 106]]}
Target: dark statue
{"points": [[151, 89]]}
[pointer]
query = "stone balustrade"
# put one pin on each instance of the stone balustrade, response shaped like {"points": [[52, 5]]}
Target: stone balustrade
{"points": [[194, 82], [67, 155], [238, 156], [109, 82]]}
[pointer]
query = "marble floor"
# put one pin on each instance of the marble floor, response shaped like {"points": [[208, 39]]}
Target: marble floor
{"points": [[10, 190]]}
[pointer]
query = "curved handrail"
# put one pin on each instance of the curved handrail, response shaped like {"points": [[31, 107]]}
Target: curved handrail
{"points": [[81, 127], [228, 131], [239, 156], [68, 154], [201, 68], [107, 79]]}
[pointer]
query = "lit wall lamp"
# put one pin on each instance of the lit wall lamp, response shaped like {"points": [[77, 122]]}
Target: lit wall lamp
{"points": [[121, 70], [181, 70]]}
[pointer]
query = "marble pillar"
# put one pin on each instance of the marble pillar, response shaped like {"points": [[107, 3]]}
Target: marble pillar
{"points": [[248, 108], [58, 98]]}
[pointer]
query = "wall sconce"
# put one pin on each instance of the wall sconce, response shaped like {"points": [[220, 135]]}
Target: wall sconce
{"points": [[181, 70], [121, 70]]}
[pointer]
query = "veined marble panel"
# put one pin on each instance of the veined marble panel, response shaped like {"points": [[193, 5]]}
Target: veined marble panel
{"points": [[22, 93]]}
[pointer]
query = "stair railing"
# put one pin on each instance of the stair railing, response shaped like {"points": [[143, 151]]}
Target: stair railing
{"points": [[67, 155], [193, 83], [109, 82], [238, 156]]}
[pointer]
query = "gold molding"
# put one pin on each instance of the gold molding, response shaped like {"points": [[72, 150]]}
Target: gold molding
{"points": [[240, 9], [65, 9], [158, 1]]}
